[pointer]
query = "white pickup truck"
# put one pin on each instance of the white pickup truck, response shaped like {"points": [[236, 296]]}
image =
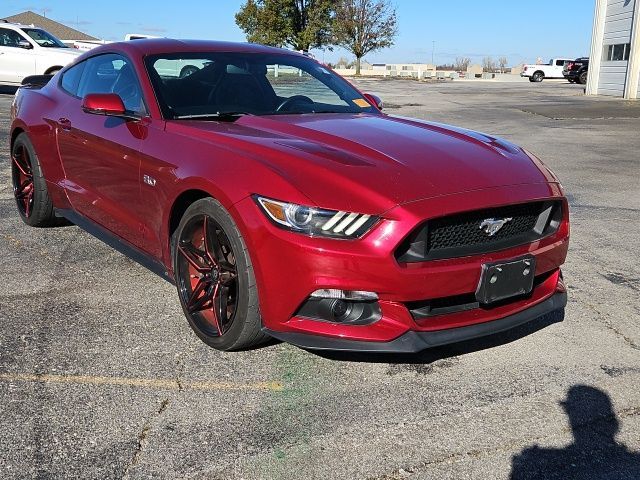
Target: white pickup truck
{"points": [[553, 69], [27, 50]]}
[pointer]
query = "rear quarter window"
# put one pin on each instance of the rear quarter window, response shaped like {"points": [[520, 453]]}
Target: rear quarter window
{"points": [[71, 79]]}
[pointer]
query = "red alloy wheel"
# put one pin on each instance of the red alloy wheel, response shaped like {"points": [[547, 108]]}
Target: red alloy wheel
{"points": [[22, 173], [207, 275]]}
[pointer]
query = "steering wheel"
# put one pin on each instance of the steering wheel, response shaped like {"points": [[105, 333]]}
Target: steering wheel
{"points": [[284, 106]]}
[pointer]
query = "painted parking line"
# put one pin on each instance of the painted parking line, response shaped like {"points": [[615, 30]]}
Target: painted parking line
{"points": [[155, 383]]}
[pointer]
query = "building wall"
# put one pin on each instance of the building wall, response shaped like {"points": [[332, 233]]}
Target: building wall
{"points": [[617, 30], [616, 22]]}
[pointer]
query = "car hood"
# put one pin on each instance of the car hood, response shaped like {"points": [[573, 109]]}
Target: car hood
{"points": [[335, 158], [69, 52]]}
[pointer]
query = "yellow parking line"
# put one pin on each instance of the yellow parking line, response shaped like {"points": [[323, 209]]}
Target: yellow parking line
{"points": [[159, 383]]}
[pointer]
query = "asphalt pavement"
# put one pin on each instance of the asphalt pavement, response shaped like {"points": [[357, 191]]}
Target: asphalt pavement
{"points": [[101, 377]]}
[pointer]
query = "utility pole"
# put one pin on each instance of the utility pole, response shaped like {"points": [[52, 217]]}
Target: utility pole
{"points": [[433, 51]]}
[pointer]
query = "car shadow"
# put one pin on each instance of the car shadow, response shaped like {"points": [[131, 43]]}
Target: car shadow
{"points": [[439, 353], [594, 453]]}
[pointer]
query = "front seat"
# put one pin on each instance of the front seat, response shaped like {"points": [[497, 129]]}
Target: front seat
{"points": [[241, 92]]}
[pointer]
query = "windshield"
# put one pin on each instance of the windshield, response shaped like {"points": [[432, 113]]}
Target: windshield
{"points": [[218, 83], [44, 39]]}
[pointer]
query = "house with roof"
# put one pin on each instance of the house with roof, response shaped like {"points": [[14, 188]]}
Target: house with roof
{"points": [[59, 30]]}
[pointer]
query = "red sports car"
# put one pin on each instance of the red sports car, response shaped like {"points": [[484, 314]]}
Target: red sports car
{"points": [[283, 203]]}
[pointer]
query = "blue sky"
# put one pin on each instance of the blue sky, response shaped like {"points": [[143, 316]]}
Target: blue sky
{"points": [[520, 30]]}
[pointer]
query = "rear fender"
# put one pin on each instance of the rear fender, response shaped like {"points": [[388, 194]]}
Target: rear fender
{"points": [[32, 113]]}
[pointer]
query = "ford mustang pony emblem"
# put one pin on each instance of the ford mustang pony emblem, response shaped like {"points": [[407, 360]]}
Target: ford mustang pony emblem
{"points": [[491, 226]]}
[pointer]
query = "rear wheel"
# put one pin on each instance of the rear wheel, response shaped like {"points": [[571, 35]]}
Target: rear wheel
{"points": [[29, 186], [215, 279], [582, 79], [537, 77]]}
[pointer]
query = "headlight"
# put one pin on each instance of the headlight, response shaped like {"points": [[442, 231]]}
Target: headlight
{"points": [[316, 221]]}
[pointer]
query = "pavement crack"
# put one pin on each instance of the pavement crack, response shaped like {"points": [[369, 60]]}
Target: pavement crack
{"points": [[613, 328], [142, 437], [409, 470]]}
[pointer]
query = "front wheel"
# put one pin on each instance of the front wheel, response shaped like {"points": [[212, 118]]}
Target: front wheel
{"points": [[215, 280]]}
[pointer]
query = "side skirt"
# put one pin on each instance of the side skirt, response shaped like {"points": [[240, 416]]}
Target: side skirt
{"points": [[116, 243]]}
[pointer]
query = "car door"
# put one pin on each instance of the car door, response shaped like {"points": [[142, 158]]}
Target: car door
{"points": [[100, 154], [16, 62]]}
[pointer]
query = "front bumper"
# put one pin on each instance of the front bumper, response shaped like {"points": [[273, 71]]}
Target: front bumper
{"points": [[413, 341], [289, 267]]}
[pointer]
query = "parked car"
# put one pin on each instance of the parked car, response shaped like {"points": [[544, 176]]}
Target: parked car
{"points": [[553, 69], [577, 71], [27, 50], [282, 202]]}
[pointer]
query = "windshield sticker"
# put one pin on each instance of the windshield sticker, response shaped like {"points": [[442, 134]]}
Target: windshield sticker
{"points": [[361, 102]]}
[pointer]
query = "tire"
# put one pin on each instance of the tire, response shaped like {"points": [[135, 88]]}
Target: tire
{"points": [[214, 278], [29, 186], [531, 79], [537, 77], [582, 79]]}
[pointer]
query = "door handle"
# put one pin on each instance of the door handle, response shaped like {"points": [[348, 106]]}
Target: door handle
{"points": [[65, 123]]}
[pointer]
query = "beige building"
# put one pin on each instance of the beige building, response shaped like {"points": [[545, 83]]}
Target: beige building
{"points": [[614, 63]]}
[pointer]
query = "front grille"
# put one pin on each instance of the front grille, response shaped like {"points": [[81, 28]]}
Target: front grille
{"points": [[460, 234]]}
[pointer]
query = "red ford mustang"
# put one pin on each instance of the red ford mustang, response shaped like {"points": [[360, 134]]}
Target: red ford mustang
{"points": [[283, 203]]}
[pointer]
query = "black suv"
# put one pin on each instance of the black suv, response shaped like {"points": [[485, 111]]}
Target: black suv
{"points": [[577, 71]]}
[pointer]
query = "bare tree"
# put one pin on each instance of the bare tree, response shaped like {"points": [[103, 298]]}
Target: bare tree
{"points": [[489, 64], [461, 64], [364, 26], [503, 62]]}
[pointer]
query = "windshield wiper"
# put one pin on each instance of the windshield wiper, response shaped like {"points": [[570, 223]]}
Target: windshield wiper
{"points": [[212, 116]]}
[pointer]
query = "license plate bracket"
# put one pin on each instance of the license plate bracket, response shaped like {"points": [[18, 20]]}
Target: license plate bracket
{"points": [[506, 279]]}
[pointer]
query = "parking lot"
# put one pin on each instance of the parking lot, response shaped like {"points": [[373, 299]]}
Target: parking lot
{"points": [[101, 376]]}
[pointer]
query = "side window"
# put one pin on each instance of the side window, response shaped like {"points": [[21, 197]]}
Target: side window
{"points": [[71, 79], [111, 73], [560, 63], [10, 38]]}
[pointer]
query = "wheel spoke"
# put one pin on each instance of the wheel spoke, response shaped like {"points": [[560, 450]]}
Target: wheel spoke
{"points": [[197, 302], [214, 310], [24, 189], [222, 308], [24, 169], [227, 278], [211, 242], [193, 256], [27, 203]]}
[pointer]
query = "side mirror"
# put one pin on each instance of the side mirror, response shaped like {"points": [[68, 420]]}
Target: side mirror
{"points": [[109, 104], [25, 44], [375, 100]]}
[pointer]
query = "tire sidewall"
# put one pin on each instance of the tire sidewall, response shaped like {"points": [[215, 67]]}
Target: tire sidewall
{"points": [[39, 186], [212, 208]]}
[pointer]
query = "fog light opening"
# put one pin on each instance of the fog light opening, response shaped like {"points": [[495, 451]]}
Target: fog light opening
{"points": [[338, 310]]}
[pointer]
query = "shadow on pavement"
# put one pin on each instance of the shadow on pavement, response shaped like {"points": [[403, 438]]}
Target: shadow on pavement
{"points": [[448, 351], [594, 454]]}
